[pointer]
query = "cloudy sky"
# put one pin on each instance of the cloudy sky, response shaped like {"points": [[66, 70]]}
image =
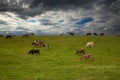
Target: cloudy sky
{"points": [[53, 17]]}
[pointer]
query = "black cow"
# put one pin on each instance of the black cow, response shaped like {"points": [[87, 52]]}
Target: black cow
{"points": [[71, 33], [95, 34], [8, 36], [34, 51]]}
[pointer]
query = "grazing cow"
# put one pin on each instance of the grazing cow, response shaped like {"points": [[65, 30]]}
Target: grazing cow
{"points": [[38, 43], [95, 34], [89, 44], [46, 45], [88, 34], [101, 34], [71, 33], [87, 56], [80, 51], [34, 42], [8, 36], [34, 51]]}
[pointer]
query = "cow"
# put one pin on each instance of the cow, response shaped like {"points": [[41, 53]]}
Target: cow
{"points": [[88, 34], [95, 34], [8, 36], [34, 51], [38, 43], [45, 45], [87, 56], [89, 44], [71, 33], [101, 34], [35, 42], [80, 51]]}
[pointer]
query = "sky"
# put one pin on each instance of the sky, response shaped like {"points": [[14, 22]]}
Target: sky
{"points": [[54, 17]]}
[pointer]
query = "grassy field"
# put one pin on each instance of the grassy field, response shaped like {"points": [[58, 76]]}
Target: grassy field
{"points": [[59, 62]]}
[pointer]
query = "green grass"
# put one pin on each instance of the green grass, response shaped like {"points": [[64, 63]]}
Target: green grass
{"points": [[59, 62]]}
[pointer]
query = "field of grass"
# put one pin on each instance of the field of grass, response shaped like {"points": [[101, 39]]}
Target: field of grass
{"points": [[59, 62]]}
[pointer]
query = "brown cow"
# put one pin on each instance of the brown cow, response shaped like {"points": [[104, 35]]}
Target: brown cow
{"points": [[38, 43], [101, 34], [87, 56], [88, 34]]}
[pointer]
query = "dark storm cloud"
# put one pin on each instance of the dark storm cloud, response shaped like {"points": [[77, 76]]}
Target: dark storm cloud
{"points": [[36, 7], [112, 6], [62, 3], [116, 28]]}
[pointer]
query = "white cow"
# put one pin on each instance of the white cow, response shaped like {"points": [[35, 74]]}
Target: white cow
{"points": [[89, 44]]}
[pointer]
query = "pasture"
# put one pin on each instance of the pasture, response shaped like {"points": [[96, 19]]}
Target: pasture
{"points": [[59, 62]]}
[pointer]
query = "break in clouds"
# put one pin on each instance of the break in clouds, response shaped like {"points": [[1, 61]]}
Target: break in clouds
{"points": [[54, 17]]}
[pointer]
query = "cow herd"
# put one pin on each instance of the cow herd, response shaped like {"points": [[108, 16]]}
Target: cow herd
{"points": [[32, 34], [24, 35], [85, 55], [88, 34], [95, 34], [41, 43]]}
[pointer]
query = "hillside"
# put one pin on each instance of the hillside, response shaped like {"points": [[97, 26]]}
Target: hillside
{"points": [[59, 62]]}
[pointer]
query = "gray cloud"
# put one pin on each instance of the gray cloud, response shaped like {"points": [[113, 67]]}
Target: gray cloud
{"points": [[37, 7], [50, 4], [3, 22], [46, 22], [107, 11]]}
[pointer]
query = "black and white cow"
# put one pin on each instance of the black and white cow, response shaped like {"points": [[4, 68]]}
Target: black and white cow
{"points": [[46, 45], [38, 43]]}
